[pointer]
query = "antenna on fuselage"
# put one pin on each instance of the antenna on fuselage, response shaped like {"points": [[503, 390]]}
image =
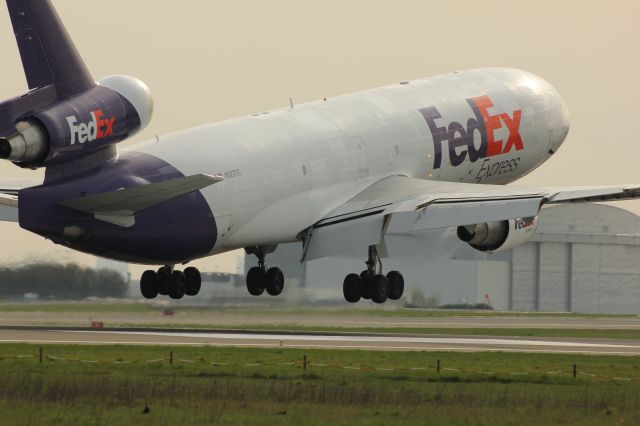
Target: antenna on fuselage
{"points": [[290, 102]]}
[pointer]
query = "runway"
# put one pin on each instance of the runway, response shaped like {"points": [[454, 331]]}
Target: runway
{"points": [[351, 318], [317, 340]]}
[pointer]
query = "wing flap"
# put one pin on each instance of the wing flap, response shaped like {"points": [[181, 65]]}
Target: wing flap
{"points": [[595, 194]]}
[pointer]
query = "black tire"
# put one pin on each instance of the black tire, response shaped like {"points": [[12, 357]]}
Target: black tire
{"points": [[365, 285], [396, 285], [352, 288], [176, 285], [194, 281], [164, 279], [274, 281], [379, 288], [149, 284], [255, 281]]}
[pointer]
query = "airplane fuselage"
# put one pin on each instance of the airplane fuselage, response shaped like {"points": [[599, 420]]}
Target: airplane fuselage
{"points": [[287, 168]]}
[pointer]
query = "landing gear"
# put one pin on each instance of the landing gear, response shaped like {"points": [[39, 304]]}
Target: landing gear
{"points": [[255, 281], [259, 278], [148, 284], [371, 284], [169, 282], [193, 281], [396, 285], [274, 281], [352, 288]]}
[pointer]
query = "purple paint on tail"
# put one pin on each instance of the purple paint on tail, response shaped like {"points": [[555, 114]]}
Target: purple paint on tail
{"points": [[47, 52], [172, 232]]}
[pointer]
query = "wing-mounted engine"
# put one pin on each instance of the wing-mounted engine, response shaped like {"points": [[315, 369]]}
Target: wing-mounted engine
{"points": [[497, 236], [66, 114]]}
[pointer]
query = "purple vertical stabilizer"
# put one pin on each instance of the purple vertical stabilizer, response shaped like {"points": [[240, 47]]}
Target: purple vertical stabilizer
{"points": [[47, 52]]}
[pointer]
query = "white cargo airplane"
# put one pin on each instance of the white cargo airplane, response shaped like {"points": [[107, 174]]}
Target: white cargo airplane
{"points": [[338, 174]]}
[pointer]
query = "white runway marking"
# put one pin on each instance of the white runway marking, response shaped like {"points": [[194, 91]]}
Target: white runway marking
{"points": [[328, 341], [375, 339], [489, 325]]}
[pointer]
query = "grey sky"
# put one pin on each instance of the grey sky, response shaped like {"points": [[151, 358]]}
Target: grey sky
{"points": [[207, 61]]}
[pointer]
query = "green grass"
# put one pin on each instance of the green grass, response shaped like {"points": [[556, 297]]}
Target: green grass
{"points": [[484, 392]]}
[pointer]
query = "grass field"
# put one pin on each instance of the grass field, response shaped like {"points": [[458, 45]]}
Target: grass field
{"points": [[490, 388]]}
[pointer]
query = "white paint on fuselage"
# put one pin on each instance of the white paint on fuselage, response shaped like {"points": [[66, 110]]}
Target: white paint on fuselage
{"points": [[287, 168]]}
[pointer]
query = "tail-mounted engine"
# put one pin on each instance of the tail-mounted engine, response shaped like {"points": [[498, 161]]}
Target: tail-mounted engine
{"points": [[110, 112], [66, 114], [497, 236]]}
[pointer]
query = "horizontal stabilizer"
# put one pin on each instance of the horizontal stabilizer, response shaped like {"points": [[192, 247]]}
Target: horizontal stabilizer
{"points": [[8, 208], [119, 207], [9, 189]]}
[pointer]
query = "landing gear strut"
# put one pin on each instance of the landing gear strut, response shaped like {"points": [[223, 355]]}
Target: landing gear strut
{"points": [[372, 284], [169, 282], [259, 278]]}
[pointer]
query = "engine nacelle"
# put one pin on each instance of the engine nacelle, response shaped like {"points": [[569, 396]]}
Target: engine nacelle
{"points": [[497, 236], [112, 111]]}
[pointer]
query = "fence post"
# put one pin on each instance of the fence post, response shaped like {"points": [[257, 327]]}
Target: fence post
{"points": [[575, 371], [438, 366], [170, 357], [304, 363], [40, 355]]}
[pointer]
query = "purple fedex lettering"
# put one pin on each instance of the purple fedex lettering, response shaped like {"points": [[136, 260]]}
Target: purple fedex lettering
{"points": [[439, 134], [461, 140]]}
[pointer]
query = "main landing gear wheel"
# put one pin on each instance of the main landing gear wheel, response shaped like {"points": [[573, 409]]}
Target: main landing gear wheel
{"points": [[193, 281], [164, 279], [274, 281], [259, 278], [352, 288], [169, 282], [255, 281], [379, 286], [396, 285], [365, 278], [149, 284], [372, 284], [177, 285]]}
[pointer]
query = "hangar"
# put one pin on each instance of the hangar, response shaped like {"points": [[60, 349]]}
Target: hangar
{"points": [[583, 258]]}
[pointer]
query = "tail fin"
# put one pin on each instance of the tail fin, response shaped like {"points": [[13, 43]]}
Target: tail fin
{"points": [[48, 55]]}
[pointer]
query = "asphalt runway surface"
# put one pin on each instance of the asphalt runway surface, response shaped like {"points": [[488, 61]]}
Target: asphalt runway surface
{"points": [[217, 319], [42, 335]]}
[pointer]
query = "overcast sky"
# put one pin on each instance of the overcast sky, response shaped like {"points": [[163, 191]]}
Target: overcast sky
{"points": [[207, 61]]}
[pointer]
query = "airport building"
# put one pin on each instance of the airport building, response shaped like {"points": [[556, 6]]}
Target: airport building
{"points": [[582, 258]]}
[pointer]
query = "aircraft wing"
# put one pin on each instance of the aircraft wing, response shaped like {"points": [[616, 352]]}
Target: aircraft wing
{"points": [[399, 204]]}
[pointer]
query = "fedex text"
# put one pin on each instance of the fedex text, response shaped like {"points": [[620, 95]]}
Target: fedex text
{"points": [[97, 128], [460, 139]]}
